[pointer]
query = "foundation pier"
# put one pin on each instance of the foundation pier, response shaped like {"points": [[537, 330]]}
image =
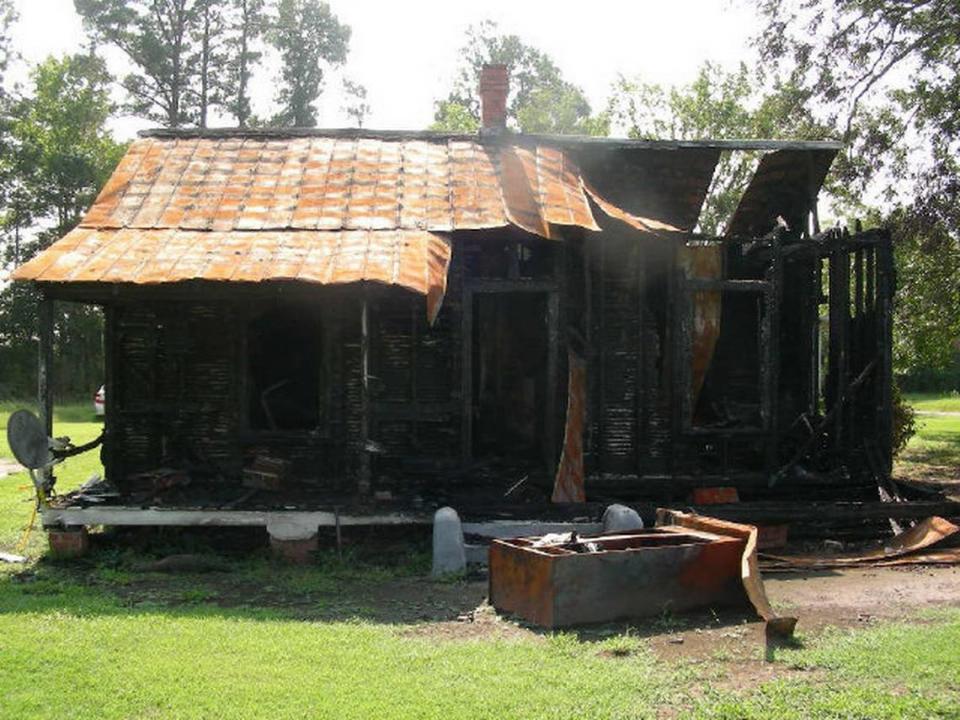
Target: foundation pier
{"points": [[68, 542], [293, 539]]}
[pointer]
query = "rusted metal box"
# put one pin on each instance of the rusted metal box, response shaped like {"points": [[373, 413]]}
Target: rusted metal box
{"points": [[628, 575]]}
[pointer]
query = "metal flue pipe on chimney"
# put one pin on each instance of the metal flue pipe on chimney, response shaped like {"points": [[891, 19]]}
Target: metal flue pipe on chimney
{"points": [[494, 86]]}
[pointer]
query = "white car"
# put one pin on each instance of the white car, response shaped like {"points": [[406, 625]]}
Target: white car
{"points": [[99, 397]]}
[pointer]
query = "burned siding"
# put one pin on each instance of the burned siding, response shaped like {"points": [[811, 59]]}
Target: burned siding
{"points": [[175, 394]]}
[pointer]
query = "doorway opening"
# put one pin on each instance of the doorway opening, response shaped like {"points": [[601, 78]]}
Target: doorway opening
{"points": [[510, 360], [283, 360]]}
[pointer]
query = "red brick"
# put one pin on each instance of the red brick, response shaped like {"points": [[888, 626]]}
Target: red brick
{"points": [[715, 496], [69, 542], [297, 552]]}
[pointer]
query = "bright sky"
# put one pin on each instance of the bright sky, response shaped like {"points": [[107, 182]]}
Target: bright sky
{"points": [[405, 53]]}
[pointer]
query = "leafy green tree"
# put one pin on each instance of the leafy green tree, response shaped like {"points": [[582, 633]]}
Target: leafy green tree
{"points": [[310, 39], [716, 105], [210, 58], [886, 74], [927, 308], [61, 155], [245, 29], [884, 70], [540, 101], [157, 37], [67, 152], [8, 16], [356, 106]]}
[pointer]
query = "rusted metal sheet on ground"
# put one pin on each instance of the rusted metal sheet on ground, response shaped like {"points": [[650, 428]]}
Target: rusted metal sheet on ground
{"points": [[904, 549], [777, 625], [636, 574], [568, 485]]}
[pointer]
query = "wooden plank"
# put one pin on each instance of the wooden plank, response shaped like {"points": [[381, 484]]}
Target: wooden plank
{"points": [[45, 364], [589, 356], [642, 396], [694, 284], [111, 470], [550, 442], [773, 301], [45, 373], [886, 288], [363, 483], [466, 377], [839, 337]]}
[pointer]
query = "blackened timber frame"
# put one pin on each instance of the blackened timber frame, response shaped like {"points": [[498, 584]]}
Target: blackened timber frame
{"points": [[552, 291], [769, 288], [45, 371]]}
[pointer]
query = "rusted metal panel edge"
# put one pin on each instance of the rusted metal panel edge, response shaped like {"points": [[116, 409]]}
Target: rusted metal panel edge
{"points": [[903, 549], [778, 625]]}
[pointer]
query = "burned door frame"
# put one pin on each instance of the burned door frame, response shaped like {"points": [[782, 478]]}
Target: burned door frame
{"points": [[770, 288], [549, 288]]}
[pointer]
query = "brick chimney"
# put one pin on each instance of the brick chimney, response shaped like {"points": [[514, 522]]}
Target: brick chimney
{"points": [[494, 85]]}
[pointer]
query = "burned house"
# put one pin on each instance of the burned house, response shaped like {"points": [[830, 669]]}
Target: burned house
{"points": [[376, 323]]}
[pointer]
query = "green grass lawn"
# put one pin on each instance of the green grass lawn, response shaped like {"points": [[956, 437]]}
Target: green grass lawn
{"points": [[934, 402], [933, 453], [99, 639], [75, 421]]}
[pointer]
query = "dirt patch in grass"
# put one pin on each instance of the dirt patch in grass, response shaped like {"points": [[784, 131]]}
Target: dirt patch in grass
{"points": [[481, 623], [9, 466]]}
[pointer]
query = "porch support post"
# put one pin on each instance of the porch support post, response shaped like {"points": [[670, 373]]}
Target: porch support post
{"points": [[45, 369], [363, 485]]}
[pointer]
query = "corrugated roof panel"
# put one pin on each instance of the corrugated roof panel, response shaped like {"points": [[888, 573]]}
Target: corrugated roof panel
{"points": [[326, 183], [413, 259], [785, 184], [666, 185]]}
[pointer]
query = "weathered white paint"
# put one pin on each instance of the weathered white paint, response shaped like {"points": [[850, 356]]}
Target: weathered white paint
{"points": [[118, 515], [293, 524]]}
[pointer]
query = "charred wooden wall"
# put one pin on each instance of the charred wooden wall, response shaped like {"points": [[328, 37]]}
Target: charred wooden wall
{"points": [[178, 390]]}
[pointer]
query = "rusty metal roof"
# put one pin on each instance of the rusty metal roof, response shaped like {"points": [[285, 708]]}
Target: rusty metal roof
{"points": [[667, 185], [326, 183], [412, 259], [338, 207], [315, 208]]}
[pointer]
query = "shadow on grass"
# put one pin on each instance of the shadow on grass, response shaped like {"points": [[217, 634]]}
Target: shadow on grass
{"points": [[385, 581], [382, 579], [774, 644]]}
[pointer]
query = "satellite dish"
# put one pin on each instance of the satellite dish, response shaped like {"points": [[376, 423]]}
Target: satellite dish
{"points": [[28, 440]]}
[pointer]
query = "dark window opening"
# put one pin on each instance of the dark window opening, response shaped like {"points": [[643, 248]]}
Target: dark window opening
{"points": [[732, 390], [510, 348], [284, 361]]}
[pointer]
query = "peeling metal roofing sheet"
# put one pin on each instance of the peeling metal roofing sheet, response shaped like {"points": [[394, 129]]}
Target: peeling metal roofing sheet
{"points": [[328, 183], [412, 259], [322, 209], [666, 185], [785, 184]]}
